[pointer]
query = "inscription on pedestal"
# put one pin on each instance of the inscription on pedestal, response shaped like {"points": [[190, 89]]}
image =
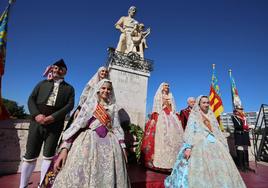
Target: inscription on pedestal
{"points": [[130, 89], [129, 74]]}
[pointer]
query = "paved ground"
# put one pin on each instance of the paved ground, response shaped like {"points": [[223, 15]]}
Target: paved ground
{"points": [[142, 178]]}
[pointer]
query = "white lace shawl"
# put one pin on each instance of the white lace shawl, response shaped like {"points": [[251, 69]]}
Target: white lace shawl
{"points": [[89, 88], [157, 106], [196, 130], [88, 109]]}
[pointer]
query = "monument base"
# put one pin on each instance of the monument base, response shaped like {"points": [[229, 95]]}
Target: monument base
{"points": [[129, 74]]}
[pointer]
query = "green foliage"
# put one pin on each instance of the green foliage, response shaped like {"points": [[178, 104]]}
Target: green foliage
{"points": [[14, 109], [138, 133]]}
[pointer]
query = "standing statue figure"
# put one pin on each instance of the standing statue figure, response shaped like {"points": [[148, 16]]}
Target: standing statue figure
{"points": [[126, 25], [132, 38]]}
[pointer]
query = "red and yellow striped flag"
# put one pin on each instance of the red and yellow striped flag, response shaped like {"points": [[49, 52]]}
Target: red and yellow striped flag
{"points": [[215, 99]]}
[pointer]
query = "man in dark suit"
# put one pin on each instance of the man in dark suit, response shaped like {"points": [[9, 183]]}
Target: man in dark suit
{"points": [[48, 104], [184, 114]]}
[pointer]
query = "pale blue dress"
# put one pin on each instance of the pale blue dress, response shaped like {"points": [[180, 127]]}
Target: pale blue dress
{"points": [[210, 164]]}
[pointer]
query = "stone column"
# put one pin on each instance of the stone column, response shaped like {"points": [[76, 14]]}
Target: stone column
{"points": [[129, 74]]}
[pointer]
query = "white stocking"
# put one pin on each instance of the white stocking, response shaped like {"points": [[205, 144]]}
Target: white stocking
{"points": [[26, 172]]}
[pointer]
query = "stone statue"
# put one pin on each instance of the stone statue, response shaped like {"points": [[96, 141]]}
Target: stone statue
{"points": [[126, 25], [132, 38], [138, 38]]}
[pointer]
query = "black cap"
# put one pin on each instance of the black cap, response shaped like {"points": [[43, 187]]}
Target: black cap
{"points": [[60, 63]]}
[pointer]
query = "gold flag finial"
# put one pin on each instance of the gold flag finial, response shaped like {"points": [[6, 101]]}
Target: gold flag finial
{"points": [[230, 71], [213, 66], [11, 1]]}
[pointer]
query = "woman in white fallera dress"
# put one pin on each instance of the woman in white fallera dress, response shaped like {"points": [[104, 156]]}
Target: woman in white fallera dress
{"points": [[94, 145], [204, 160], [163, 134]]}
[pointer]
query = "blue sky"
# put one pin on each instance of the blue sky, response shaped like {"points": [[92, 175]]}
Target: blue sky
{"points": [[187, 37]]}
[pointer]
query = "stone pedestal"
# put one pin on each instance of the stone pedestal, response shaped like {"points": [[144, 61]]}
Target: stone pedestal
{"points": [[129, 74], [13, 138]]}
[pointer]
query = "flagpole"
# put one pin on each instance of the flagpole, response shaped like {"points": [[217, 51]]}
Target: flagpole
{"points": [[230, 76]]}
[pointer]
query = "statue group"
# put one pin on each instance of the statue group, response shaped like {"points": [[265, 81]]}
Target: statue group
{"points": [[133, 34]]}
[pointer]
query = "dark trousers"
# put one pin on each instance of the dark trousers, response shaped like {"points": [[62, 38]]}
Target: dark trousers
{"points": [[39, 135], [43, 134], [243, 161]]}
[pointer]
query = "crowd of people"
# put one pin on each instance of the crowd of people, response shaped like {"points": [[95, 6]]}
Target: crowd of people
{"points": [[92, 152]]}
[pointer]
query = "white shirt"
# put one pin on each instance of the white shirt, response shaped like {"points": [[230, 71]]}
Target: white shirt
{"points": [[53, 96]]}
